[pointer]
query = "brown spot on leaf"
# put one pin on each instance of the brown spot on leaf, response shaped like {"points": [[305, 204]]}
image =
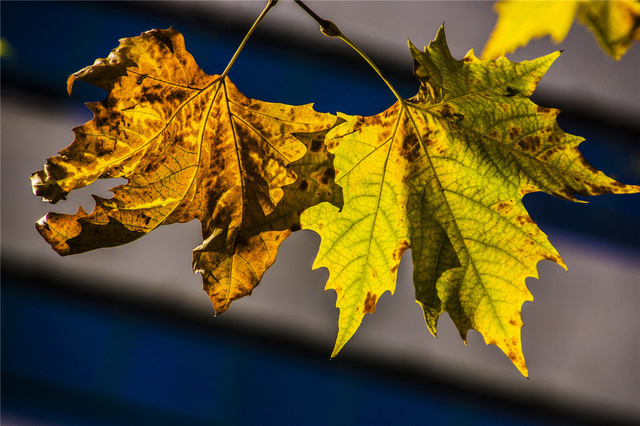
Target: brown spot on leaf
{"points": [[100, 120], [446, 111], [150, 97], [409, 147], [145, 218], [404, 246], [152, 166], [426, 138], [504, 207], [543, 110], [304, 185], [242, 134], [373, 121], [329, 174], [370, 303], [358, 124], [511, 92], [163, 37], [178, 141], [551, 152], [530, 143], [599, 189], [176, 95], [316, 145], [493, 134], [524, 219], [102, 147], [514, 132], [569, 193], [552, 257]]}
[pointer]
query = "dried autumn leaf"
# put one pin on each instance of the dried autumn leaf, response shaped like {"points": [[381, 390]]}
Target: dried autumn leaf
{"points": [[443, 173], [230, 277], [190, 144], [615, 24]]}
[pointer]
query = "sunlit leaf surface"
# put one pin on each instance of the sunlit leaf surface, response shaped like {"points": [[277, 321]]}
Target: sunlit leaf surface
{"points": [[443, 174], [191, 146], [615, 24]]}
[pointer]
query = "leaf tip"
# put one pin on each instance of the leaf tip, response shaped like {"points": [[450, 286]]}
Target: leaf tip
{"points": [[48, 189], [521, 365], [42, 224], [555, 257], [70, 82], [336, 350], [412, 47], [513, 350]]}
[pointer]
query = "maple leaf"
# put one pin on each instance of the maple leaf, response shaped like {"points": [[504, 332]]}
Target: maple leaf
{"points": [[443, 173], [190, 144], [615, 24]]}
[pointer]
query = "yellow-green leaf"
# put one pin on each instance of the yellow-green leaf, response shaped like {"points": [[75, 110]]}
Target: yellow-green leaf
{"points": [[190, 144], [521, 21], [615, 24], [443, 174]]}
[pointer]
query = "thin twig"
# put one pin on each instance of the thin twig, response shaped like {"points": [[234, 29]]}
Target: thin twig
{"points": [[330, 29], [268, 7]]}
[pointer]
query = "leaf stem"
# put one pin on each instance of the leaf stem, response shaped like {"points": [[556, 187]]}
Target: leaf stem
{"points": [[268, 7], [330, 29]]}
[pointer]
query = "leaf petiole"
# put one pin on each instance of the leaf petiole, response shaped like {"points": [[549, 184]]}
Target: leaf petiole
{"points": [[268, 7], [330, 29]]}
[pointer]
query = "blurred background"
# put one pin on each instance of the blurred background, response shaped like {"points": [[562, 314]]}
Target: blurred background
{"points": [[127, 336]]}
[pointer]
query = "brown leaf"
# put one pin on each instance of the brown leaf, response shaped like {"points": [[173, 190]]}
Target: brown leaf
{"points": [[191, 146], [230, 276]]}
